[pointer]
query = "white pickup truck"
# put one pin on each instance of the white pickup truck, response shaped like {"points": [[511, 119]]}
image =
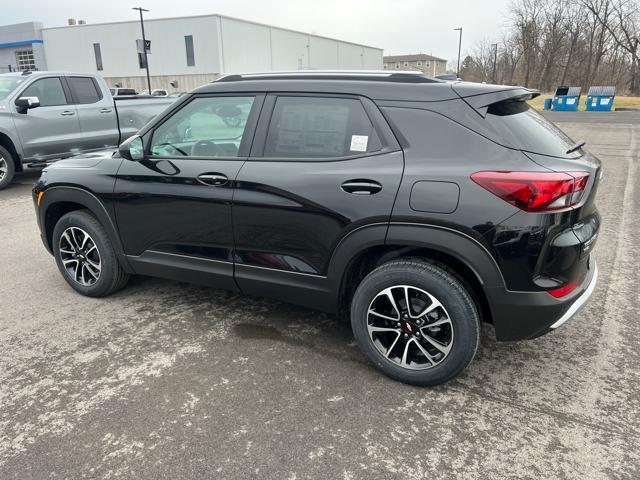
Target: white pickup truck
{"points": [[45, 116]]}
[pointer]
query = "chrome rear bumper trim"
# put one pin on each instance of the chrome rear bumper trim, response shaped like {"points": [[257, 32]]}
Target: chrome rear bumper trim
{"points": [[581, 301]]}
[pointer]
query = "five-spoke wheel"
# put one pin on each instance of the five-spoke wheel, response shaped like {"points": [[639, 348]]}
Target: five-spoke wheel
{"points": [[85, 255], [80, 256], [410, 327], [415, 321]]}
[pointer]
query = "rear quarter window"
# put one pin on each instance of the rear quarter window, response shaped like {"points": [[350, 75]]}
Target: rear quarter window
{"points": [[516, 125]]}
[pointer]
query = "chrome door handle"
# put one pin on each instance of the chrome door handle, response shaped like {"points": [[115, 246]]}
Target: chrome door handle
{"points": [[67, 113], [213, 179], [361, 187], [105, 110]]}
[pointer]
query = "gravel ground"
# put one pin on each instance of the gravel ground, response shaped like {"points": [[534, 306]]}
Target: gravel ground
{"points": [[166, 380]]}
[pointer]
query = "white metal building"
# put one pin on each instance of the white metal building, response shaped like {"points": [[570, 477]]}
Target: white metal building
{"points": [[194, 50]]}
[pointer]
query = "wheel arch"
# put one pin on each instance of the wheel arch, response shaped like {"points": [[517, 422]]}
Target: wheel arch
{"points": [[59, 201], [460, 254], [8, 143]]}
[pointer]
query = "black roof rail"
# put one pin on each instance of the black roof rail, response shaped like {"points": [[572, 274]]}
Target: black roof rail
{"points": [[26, 72], [382, 76]]}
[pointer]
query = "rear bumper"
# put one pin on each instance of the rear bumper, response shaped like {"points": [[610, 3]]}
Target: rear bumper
{"points": [[526, 315], [582, 300]]}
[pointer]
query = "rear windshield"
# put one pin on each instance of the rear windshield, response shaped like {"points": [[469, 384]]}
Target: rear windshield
{"points": [[519, 126]]}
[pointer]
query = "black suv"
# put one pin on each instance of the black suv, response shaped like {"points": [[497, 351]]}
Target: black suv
{"points": [[418, 207]]}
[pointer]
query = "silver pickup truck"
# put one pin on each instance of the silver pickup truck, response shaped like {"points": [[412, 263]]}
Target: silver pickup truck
{"points": [[45, 116]]}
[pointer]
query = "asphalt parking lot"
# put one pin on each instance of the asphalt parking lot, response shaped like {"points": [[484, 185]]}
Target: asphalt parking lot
{"points": [[167, 380]]}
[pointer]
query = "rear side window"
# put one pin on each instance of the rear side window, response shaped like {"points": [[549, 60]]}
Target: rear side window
{"points": [[48, 90], [319, 127], [84, 90], [519, 126]]}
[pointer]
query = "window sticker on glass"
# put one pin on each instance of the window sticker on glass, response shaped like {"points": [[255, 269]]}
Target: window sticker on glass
{"points": [[359, 143]]}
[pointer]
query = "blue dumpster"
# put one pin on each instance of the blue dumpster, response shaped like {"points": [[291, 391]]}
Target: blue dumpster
{"points": [[566, 98], [600, 99], [547, 103]]}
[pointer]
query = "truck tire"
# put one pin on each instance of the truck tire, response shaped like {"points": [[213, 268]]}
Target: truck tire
{"points": [[415, 322], [7, 167], [85, 255]]}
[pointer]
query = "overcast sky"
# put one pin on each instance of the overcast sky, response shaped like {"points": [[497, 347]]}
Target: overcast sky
{"points": [[399, 27]]}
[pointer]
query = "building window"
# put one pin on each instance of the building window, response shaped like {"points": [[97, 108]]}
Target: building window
{"points": [[24, 60], [98, 54], [397, 65], [428, 64], [188, 43], [406, 64], [141, 60], [384, 66], [419, 64]]}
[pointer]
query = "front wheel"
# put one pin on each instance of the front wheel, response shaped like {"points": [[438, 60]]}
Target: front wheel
{"points": [[7, 168], [416, 322], [85, 255]]}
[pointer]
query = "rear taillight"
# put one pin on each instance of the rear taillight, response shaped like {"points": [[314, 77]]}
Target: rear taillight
{"points": [[535, 191]]}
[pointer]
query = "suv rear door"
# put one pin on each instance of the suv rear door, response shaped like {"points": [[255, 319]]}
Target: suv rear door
{"points": [[321, 167]]}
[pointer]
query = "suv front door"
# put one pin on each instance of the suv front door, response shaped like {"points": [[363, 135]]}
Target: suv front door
{"points": [[174, 207], [51, 130], [320, 167]]}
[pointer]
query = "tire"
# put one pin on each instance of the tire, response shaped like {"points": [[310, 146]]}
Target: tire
{"points": [[68, 235], [7, 167], [442, 342]]}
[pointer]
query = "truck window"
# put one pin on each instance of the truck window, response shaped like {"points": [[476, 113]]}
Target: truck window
{"points": [[48, 90], [84, 90]]}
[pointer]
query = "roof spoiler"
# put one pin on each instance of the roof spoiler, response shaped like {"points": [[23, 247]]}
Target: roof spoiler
{"points": [[480, 96]]}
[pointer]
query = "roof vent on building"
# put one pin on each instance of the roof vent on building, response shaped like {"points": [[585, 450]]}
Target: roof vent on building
{"points": [[71, 21]]}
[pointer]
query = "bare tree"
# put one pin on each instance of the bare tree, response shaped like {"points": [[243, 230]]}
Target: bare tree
{"points": [[558, 42]]}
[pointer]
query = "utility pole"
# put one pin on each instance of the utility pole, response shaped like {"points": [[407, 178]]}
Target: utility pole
{"points": [[144, 46], [495, 61], [459, 48]]}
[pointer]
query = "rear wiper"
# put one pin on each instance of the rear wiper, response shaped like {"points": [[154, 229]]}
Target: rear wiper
{"points": [[576, 146]]}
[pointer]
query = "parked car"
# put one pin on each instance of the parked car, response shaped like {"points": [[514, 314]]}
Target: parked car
{"points": [[51, 115], [448, 77], [156, 92], [417, 207], [120, 92]]}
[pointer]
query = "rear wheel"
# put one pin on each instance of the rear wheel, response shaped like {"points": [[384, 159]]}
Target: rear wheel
{"points": [[416, 322], [7, 167], [85, 256]]}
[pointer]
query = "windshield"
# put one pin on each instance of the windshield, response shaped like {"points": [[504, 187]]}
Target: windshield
{"points": [[519, 126], [8, 85]]}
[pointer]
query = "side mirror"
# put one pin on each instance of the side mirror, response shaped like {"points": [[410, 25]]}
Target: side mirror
{"points": [[132, 149], [25, 103]]}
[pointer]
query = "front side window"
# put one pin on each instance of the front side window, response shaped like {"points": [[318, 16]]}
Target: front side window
{"points": [[319, 127], [48, 90], [84, 90], [205, 127]]}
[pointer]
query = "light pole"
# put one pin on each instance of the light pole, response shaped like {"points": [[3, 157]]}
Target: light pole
{"points": [[144, 46], [459, 48], [495, 60]]}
